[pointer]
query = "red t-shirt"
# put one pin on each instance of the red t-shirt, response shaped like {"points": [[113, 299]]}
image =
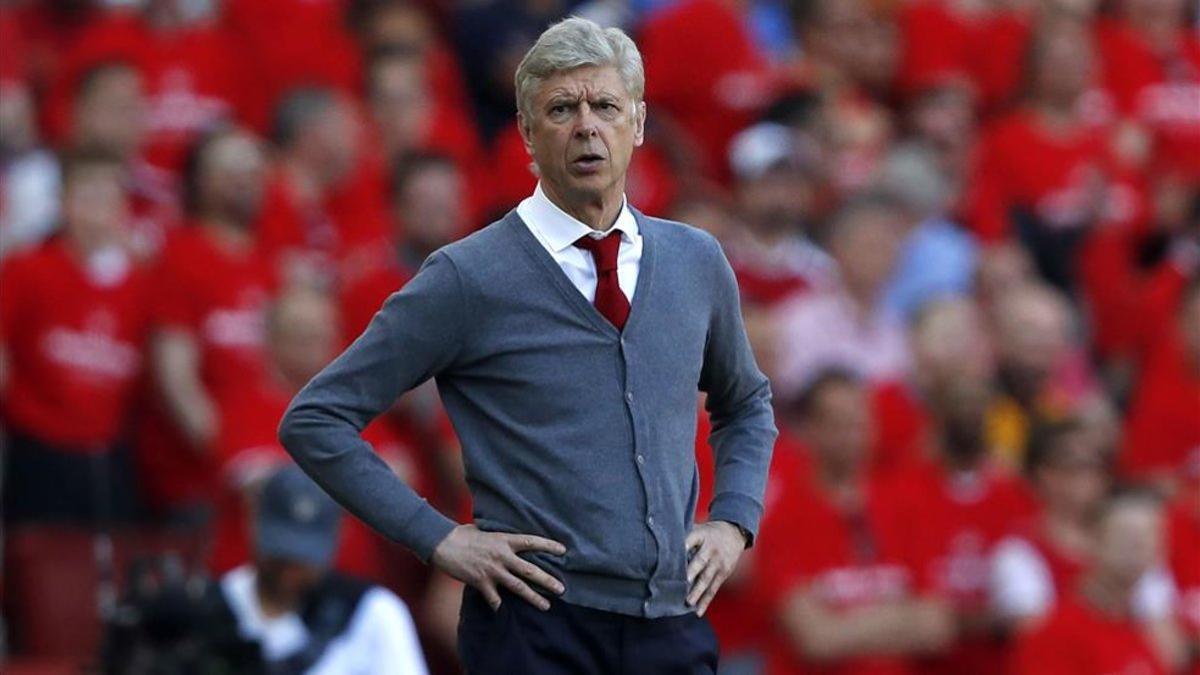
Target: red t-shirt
{"points": [[74, 344], [347, 227], [1162, 431], [219, 297], [1056, 178], [901, 426], [948, 527], [192, 78], [1161, 91], [247, 446], [1079, 640], [712, 92], [847, 560]]}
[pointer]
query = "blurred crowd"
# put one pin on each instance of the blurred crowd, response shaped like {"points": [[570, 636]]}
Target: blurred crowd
{"points": [[967, 235]]}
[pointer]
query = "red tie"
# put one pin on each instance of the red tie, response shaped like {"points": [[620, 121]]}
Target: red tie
{"points": [[611, 302]]}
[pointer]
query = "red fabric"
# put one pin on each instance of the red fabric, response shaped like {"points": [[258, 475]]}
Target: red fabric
{"points": [[1161, 91], [192, 78], [739, 614], [219, 298], [290, 44], [1183, 555], [1079, 640], [1022, 165], [712, 93], [345, 229], [848, 561], [74, 348], [361, 296], [248, 442], [948, 526], [996, 57], [936, 41], [901, 427], [610, 299], [1163, 426]]}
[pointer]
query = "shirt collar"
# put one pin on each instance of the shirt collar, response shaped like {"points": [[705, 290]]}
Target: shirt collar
{"points": [[561, 229]]}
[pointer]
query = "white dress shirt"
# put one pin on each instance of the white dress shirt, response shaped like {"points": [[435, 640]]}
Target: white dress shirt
{"points": [[558, 231], [381, 638]]}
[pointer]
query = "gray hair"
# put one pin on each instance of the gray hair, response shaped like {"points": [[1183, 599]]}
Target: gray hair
{"points": [[572, 43]]}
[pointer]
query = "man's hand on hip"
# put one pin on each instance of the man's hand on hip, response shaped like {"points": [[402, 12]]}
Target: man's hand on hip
{"points": [[489, 561], [717, 545]]}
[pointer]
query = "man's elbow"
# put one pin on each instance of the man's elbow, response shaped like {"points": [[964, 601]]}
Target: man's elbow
{"points": [[292, 430]]}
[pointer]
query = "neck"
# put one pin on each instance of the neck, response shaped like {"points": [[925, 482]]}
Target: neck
{"points": [[305, 183], [597, 211], [1068, 533], [1109, 596], [841, 483], [272, 604], [228, 233]]}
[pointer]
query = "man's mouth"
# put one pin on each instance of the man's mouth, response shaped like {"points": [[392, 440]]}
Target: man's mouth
{"points": [[588, 162]]}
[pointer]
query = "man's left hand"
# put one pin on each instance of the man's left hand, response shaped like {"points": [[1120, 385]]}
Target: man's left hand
{"points": [[717, 546]]}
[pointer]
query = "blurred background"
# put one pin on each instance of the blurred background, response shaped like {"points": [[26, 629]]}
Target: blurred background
{"points": [[967, 235]]}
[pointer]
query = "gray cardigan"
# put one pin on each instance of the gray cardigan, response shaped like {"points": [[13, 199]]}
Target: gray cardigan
{"points": [[570, 429]]}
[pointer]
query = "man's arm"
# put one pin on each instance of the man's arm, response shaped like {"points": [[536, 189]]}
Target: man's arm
{"points": [[917, 626], [742, 438], [176, 367], [417, 334], [739, 407]]}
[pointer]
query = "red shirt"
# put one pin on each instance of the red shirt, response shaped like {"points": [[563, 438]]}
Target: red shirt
{"points": [[1183, 546], [343, 230], [192, 78], [219, 297], [1057, 178], [1163, 426], [1079, 640], [948, 527], [247, 445], [847, 560], [74, 347], [712, 92], [1161, 91]]}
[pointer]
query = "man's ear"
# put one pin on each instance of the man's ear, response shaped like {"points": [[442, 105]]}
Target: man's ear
{"points": [[639, 131], [523, 127]]}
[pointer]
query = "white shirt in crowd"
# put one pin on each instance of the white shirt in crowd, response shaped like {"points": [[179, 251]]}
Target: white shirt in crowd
{"points": [[558, 231], [379, 640], [1022, 585]]}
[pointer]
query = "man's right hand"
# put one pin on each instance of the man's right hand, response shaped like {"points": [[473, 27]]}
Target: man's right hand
{"points": [[489, 561]]}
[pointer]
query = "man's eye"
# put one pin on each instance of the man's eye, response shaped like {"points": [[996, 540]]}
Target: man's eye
{"points": [[558, 109]]}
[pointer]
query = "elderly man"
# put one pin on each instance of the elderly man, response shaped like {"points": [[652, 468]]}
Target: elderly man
{"points": [[568, 340]]}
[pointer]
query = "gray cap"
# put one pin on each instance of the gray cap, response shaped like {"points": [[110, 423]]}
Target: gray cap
{"points": [[296, 520]]}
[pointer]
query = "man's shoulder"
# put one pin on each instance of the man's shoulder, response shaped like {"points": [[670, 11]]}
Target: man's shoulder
{"points": [[678, 236]]}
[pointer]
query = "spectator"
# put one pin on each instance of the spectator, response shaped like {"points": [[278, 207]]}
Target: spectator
{"points": [[210, 289], [848, 326], [1045, 559], [322, 208], [1042, 368], [953, 509], [936, 257], [1095, 630], [110, 114], [72, 330], [301, 339], [1183, 537], [776, 187], [832, 568], [304, 617]]}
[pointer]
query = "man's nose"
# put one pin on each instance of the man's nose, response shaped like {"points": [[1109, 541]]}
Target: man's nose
{"points": [[585, 124]]}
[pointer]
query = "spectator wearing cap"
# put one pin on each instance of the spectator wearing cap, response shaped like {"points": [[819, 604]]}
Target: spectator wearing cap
{"points": [[776, 185], [306, 618], [568, 341]]}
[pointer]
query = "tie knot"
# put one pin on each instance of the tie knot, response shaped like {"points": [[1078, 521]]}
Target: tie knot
{"points": [[604, 250]]}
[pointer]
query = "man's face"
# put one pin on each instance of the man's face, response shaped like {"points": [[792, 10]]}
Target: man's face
{"points": [[1129, 542], [235, 177], [430, 205], [112, 114], [581, 131], [839, 426]]}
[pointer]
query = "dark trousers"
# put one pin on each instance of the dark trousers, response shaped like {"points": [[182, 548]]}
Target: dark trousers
{"points": [[44, 483], [574, 640]]}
